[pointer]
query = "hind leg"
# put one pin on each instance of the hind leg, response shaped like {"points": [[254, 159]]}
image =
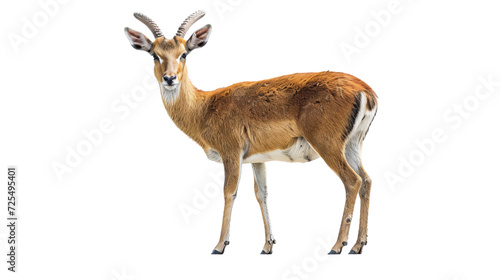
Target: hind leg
{"points": [[334, 157], [364, 196], [353, 156]]}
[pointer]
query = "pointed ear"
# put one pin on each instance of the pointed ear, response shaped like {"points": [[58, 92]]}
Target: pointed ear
{"points": [[199, 38], [138, 40]]}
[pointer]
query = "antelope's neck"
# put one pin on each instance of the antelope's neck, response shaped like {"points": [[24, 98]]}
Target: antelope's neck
{"points": [[187, 110]]}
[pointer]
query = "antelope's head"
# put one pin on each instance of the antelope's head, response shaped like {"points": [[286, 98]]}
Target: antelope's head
{"points": [[169, 54]]}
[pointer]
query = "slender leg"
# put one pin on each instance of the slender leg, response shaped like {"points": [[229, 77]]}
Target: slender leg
{"points": [[335, 159], [353, 155], [232, 167], [364, 196], [260, 187], [352, 184]]}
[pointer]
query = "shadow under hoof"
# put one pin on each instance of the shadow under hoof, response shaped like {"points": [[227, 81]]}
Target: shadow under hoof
{"points": [[332, 252]]}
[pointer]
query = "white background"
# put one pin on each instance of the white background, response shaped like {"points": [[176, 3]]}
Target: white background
{"points": [[117, 214]]}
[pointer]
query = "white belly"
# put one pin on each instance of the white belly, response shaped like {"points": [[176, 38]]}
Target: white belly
{"points": [[301, 151]]}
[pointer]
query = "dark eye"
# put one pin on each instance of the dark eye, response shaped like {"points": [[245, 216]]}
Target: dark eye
{"points": [[183, 56]]}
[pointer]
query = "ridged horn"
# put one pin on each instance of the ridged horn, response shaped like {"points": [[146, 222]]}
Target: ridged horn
{"points": [[150, 24], [190, 20]]}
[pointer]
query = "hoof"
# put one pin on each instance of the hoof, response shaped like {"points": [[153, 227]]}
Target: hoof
{"points": [[215, 252], [264, 253], [332, 252], [352, 252]]}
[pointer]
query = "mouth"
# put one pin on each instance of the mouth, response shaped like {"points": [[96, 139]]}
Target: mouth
{"points": [[170, 87]]}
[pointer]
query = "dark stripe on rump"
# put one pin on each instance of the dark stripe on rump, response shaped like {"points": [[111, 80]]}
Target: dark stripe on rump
{"points": [[366, 132], [371, 99], [354, 114]]}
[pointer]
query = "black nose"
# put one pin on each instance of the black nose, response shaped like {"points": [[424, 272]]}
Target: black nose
{"points": [[169, 80]]}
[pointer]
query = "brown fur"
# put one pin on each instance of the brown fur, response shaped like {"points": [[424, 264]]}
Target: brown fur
{"points": [[256, 117]]}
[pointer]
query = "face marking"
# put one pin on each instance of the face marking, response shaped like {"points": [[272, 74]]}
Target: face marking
{"points": [[160, 60], [169, 55], [170, 67], [182, 58]]}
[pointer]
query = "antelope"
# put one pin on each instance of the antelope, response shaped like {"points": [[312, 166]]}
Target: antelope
{"points": [[292, 118]]}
